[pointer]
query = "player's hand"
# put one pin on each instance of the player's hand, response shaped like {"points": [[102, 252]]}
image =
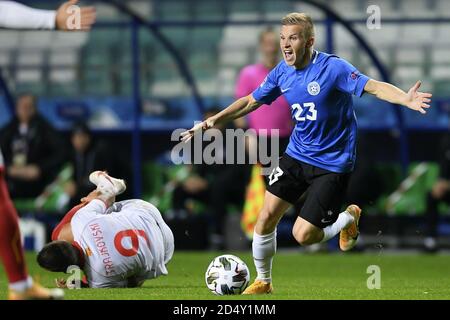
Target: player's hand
{"points": [[418, 101], [187, 135], [64, 17]]}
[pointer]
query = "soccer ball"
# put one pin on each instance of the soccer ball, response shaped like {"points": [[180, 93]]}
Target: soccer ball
{"points": [[227, 274]]}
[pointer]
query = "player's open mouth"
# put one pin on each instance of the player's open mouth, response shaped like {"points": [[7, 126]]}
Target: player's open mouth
{"points": [[288, 54]]}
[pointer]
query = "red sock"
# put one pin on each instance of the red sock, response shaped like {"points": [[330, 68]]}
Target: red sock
{"points": [[11, 250]]}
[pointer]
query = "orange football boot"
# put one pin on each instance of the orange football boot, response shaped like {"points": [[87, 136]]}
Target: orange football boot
{"points": [[36, 292], [349, 235], [259, 287]]}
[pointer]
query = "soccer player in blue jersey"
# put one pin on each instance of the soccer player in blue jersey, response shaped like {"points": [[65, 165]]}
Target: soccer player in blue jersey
{"points": [[321, 152]]}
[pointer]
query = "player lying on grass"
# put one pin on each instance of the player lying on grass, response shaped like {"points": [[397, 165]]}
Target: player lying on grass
{"points": [[321, 152], [116, 244]]}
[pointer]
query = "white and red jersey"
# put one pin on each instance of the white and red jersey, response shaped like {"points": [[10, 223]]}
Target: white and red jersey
{"points": [[129, 240]]}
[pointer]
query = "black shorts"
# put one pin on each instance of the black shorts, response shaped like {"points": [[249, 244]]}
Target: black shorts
{"points": [[325, 189]]}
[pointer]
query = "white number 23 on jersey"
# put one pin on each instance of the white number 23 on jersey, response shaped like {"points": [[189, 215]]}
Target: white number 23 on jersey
{"points": [[311, 114]]}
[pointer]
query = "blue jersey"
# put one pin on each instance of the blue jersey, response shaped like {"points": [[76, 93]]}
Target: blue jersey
{"points": [[320, 96]]}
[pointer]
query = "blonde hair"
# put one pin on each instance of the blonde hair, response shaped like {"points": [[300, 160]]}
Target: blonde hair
{"points": [[301, 19]]}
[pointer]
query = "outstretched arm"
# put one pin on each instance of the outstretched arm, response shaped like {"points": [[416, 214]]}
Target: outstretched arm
{"points": [[237, 109], [18, 16], [413, 99]]}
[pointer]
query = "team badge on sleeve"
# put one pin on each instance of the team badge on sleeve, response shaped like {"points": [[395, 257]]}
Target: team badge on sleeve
{"points": [[313, 88]]}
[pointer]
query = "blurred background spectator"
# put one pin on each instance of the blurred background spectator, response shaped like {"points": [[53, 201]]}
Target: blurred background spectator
{"points": [[365, 185], [32, 149], [86, 156], [439, 193]]}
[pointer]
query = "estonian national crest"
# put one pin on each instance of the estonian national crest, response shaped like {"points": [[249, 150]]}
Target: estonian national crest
{"points": [[313, 88]]}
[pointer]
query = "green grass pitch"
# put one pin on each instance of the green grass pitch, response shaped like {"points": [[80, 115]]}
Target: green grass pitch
{"points": [[296, 276]]}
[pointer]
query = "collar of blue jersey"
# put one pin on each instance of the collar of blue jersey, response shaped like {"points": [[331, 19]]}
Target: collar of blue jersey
{"points": [[314, 57], [313, 60]]}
